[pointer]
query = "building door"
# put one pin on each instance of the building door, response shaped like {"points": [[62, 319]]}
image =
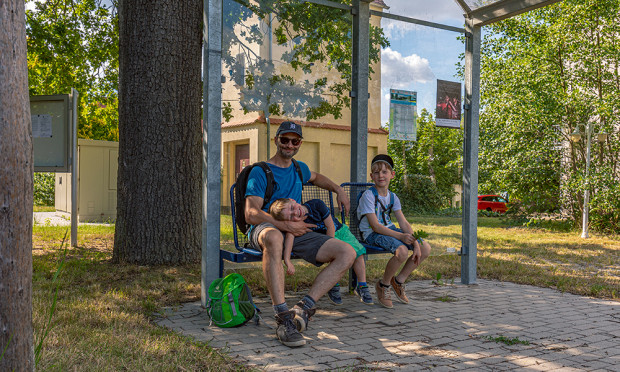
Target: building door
{"points": [[242, 158]]}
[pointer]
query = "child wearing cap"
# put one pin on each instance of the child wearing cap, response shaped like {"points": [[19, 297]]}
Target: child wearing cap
{"points": [[316, 212], [376, 227]]}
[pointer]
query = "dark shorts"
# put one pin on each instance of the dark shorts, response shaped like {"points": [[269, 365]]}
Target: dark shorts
{"points": [[305, 247]]}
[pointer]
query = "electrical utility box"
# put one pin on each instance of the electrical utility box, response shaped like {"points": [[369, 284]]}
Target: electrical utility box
{"points": [[97, 173]]}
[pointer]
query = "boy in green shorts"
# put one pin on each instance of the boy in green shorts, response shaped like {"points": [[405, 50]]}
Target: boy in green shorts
{"points": [[316, 212]]}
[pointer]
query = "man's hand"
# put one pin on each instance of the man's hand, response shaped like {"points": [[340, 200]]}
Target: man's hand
{"points": [[343, 200], [297, 228]]}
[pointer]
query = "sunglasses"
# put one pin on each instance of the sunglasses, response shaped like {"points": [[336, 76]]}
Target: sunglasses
{"points": [[294, 141]]}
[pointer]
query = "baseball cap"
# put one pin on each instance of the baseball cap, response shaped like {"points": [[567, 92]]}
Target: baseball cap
{"points": [[383, 158], [289, 127]]}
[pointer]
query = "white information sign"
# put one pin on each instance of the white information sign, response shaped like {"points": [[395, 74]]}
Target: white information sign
{"points": [[403, 113], [41, 126]]}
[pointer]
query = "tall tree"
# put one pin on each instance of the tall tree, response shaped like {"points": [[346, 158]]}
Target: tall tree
{"points": [[544, 73], [159, 169], [16, 169]]}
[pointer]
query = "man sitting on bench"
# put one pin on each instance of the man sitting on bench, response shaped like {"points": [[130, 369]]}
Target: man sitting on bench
{"points": [[267, 235]]}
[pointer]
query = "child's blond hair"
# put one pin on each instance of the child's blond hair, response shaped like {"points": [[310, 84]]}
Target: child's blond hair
{"points": [[276, 208]]}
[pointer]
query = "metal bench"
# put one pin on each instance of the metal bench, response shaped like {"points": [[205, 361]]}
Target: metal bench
{"points": [[245, 253]]}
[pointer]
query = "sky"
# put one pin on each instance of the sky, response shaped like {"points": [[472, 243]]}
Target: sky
{"points": [[419, 55]]}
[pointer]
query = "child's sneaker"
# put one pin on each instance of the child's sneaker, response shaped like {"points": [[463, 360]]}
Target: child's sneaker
{"points": [[364, 294], [399, 290], [383, 295], [334, 295]]}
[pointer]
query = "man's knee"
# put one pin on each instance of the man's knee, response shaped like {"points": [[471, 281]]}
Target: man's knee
{"points": [[271, 241], [349, 254], [337, 251]]}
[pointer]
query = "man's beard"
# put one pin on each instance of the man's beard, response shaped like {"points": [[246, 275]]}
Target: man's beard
{"points": [[287, 155]]}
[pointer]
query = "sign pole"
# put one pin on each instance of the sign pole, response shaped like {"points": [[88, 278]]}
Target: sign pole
{"points": [[74, 169]]}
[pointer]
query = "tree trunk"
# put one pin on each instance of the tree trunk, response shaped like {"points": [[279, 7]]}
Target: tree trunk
{"points": [[159, 166], [16, 172]]}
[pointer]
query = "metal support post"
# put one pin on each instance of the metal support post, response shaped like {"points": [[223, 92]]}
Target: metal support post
{"points": [[211, 144], [469, 248], [359, 93], [74, 168], [359, 97]]}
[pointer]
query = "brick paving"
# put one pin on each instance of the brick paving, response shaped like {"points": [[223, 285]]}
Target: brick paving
{"points": [[444, 328]]}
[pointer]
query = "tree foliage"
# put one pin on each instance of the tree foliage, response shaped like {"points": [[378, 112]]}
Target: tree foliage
{"points": [[316, 39], [543, 74], [427, 169], [74, 43]]}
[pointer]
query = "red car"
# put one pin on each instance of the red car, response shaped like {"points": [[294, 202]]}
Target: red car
{"points": [[493, 203]]}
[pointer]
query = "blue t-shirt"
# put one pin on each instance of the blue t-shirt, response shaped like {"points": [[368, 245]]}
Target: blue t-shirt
{"points": [[288, 184], [317, 213]]}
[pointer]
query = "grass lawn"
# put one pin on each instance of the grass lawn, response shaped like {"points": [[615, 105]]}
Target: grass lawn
{"points": [[103, 311]]}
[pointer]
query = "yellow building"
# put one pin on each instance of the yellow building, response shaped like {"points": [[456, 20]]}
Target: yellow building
{"points": [[327, 143]]}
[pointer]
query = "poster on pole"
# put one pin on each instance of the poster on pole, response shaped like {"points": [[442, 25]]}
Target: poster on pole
{"points": [[448, 111], [403, 113]]}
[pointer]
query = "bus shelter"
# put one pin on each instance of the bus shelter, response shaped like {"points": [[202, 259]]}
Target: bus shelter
{"points": [[233, 50]]}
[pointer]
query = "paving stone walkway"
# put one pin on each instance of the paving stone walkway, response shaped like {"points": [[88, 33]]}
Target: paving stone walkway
{"points": [[444, 328]]}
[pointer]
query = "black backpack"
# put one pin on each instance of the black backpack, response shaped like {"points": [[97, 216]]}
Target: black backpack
{"points": [[242, 183]]}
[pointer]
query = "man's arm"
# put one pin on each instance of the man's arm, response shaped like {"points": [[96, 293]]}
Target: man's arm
{"points": [[254, 215], [325, 183]]}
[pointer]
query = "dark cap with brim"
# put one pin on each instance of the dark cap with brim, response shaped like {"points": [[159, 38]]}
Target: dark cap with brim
{"points": [[289, 127], [383, 158]]}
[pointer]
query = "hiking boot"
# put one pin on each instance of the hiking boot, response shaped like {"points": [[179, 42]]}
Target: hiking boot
{"points": [[302, 317], [286, 331], [383, 295], [334, 295], [364, 295], [399, 291]]}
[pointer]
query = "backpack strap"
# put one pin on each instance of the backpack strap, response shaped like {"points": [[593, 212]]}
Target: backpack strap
{"points": [[384, 210], [270, 182], [298, 168]]}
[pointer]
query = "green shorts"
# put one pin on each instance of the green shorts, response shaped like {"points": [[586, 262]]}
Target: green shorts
{"points": [[345, 235]]}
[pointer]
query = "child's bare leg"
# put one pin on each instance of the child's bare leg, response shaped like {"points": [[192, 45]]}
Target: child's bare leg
{"points": [[359, 266], [394, 263], [425, 251]]}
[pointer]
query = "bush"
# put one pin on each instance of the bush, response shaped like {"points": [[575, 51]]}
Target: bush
{"points": [[604, 216], [420, 195], [44, 189]]}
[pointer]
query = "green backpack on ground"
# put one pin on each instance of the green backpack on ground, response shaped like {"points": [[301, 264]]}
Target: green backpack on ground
{"points": [[230, 302]]}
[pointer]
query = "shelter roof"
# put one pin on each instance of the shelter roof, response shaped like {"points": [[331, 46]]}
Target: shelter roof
{"points": [[483, 12]]}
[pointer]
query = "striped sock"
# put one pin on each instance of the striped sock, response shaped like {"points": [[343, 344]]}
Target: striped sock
{"points": [[307, 302], [280, 308], [362, 284]]}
